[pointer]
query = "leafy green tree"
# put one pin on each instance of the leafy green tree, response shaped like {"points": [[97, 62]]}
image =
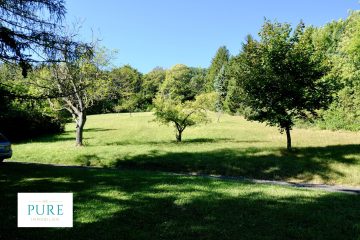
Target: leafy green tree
{"points": [[151, 85], [130, 104], [177, 83], [180, 114], [24, 118], [340, 41], [282, 76], [198, 81], [221, 58], [233, 99], [126, 83], [126, 80], [77, 81], [347, 65], [220, 86], [327, 38]]}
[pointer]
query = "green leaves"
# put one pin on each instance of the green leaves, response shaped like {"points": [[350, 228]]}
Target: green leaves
{"points": [[177, 82], [182, 114], [280, 77], [221, 58], [183, 82], [124, 87], [343, 41]]}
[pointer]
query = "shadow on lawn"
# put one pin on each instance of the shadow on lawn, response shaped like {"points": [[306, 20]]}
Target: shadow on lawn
{"points": [[303, 163], [143, 205], [88, 160], [49, 139], [184, 142], [68, 135], [92, 130], [99, 129]]}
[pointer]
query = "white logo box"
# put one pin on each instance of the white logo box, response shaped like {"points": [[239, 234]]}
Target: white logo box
{"points": [[45, 210]]}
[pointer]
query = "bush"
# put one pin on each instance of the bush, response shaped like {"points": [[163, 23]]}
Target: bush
{"points": [[23, 125]]}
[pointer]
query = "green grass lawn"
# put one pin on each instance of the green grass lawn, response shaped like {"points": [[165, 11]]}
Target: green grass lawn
{"points": [[129, 204], [139, 204], [232, 147]]}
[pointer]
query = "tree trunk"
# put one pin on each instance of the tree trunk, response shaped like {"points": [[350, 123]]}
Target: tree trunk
{"points": [[178, 136], [80, 122], [218, 116], [288, 138]]}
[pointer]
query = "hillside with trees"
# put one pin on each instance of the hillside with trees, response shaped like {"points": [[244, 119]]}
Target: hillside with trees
{"points": [[287, 75]]}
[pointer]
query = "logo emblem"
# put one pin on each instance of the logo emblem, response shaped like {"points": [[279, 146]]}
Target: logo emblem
{"points": [[45, 209]]}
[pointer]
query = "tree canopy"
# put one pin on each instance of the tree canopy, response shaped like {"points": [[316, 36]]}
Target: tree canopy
{"points": [[282, 76], [180, 114], [220, 59], [29, 32], [177, 82]]}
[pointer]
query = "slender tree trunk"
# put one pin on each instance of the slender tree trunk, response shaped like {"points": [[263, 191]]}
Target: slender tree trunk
{"points": [[288, 138], [80, 123], [178, 136], [218, 116]]}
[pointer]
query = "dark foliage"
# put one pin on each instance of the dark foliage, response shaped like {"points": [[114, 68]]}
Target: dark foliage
{"points": [[31, 32], [20, 124]]}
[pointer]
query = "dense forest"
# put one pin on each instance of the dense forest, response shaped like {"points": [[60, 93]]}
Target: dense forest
{"points": [[285, 76]]}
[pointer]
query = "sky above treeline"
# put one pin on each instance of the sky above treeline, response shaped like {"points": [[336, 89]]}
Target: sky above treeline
{"points": [[166, 32]]}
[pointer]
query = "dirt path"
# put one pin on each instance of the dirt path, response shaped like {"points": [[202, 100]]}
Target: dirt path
{"points": [[311, 186]]}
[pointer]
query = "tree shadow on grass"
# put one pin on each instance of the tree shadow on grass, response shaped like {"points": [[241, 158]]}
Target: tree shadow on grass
{"points": [[48, 138], [111, 204], [56, 138], [183, 142], [88, 160], [303, 163], [68, 135], [99, 129], [92, 130]]}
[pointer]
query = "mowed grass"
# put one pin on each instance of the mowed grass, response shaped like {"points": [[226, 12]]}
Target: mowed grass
{"points": [[128, 204], [233, 146]]}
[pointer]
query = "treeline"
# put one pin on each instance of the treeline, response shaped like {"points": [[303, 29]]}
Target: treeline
{"points": [[336, 45], [334, 51], [128, 90], [283, 77]]}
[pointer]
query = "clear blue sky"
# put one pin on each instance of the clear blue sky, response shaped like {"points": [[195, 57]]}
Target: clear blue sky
{"points": [[150, 33]]}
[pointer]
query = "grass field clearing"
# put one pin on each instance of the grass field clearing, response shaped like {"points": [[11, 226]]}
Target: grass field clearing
{"points": [[233, 147]]}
